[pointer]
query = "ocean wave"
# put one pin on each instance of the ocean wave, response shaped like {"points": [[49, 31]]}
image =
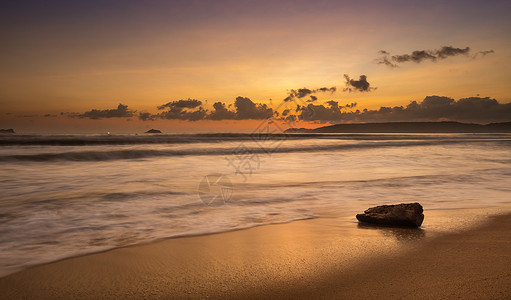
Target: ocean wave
{"points": [[242, 150], [92, 140]]}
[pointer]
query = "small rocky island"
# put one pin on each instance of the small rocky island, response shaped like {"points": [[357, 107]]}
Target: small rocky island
{"points": [[404, 214], [153, 131], [7, 130]]}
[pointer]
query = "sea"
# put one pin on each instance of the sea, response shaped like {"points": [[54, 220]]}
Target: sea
{"points": [[69, 195]]}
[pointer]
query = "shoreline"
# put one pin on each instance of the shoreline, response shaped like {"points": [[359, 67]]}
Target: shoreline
{"points": [[345, 218], [325, 258], [159, 240]]}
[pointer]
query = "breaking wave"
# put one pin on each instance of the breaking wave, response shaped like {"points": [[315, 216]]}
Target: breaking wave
{"points": [[92, 155]]}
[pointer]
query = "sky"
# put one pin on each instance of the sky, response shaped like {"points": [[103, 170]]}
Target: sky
{"points": [[206, 66]]}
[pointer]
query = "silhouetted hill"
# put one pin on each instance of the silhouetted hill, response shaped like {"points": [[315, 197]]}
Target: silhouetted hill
{"points": [[409, 127], [7, 130]]}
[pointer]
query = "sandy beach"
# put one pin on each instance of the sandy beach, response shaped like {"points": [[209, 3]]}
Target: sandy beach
{"points": [[321, 258]]}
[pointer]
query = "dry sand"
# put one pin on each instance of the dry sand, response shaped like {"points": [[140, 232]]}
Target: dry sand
{"points": [[320, 258]]}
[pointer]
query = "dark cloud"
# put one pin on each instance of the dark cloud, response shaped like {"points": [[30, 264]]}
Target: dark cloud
{"points": [[291, 119], [416, 56], [330, 111], [189, 103], [246, 109], [145, 116], [321, 113], [437, 108], [121, 111], [221, 112], [325, 89], [304, 92], [483, 53], [424, 55], [361, 85], [385, 61], [312, 99], [432, 108], [447, 51], [192, 110], [177, 113], [189, 109], [300, 93]]}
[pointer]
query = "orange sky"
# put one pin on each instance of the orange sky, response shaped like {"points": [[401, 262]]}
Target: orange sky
{"points": [[74, 57]]}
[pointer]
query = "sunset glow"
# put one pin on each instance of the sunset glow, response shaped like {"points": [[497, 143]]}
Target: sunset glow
{"points": [[255, 149], [71, 57]]}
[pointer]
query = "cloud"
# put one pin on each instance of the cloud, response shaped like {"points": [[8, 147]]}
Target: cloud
{"points": [[300, 93], [483, 53], [189, 109], [325, 89], [145, 116], [189, 103], [291, 119], [350, 105], [329, 113], [312, 98], [361, 85], [221, 112], [246, 109], [419, 56], [121, 111], [437, 108], [192, 110], [447, 51], [431, 108], [304, 92]]}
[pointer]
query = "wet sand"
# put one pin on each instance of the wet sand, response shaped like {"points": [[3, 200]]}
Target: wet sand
{"points": [[325, 258]]}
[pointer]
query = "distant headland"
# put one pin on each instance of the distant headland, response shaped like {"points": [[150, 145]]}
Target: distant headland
{"points": [[7, 131], [409, 127]]}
